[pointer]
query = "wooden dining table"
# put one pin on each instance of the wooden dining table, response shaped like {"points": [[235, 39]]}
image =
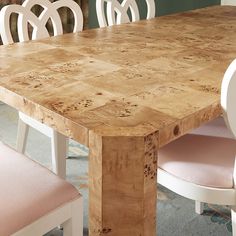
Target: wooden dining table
{"points": [[124, 91]]}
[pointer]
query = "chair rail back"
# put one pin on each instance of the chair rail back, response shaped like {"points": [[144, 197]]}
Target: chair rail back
{"points": [[228, 97], [38, 23], [111, 12]]}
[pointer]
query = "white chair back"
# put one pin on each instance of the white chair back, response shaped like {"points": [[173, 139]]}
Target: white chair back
{"points": [[228, 97], [50, 11], [112, 12]]}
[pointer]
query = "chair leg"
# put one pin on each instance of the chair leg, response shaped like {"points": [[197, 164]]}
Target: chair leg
{"points": [[233, 219], [67, 228], [74, 226], [59, 145], [67, 147], [22, 134], [199, 207]]}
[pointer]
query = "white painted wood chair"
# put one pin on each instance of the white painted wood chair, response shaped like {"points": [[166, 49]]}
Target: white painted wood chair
{"points": [[112, 12], [33, 200], [215, 128], [59, 143], [201, 167]]}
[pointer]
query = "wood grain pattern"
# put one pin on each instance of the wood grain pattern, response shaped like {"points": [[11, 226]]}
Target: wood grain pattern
{"points": [[123, 185], [124, 91], [123, 80]]}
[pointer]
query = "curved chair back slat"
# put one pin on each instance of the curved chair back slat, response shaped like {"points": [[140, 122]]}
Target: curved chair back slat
{"points": [[112, 12], [228, 97], [38, 23]]}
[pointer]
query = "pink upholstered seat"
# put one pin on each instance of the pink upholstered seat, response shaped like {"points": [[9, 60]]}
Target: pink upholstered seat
{"points": [[216, 128], [28, 191], [203, 160]]}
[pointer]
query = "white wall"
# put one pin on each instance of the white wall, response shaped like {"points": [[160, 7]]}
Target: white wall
{"points": [[228, 2]]}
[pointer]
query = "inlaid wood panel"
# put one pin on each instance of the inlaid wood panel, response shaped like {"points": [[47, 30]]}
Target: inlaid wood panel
{"points": [[128, 79]]}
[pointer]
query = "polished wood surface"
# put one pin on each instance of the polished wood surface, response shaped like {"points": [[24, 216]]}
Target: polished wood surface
{"points": [[124, 91]]}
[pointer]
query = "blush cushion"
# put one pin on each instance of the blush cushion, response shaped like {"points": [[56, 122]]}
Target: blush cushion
{"points": [[203, 160], [28, 191], [216, 128]]}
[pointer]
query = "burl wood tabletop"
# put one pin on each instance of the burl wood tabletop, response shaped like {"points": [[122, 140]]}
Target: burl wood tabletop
{"points": [[163, 74], [153, 79]]}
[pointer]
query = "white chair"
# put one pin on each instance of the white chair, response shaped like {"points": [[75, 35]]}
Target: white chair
{"points": [[59, 142], [117, 12], [215, 128], [201, 167], [33, 200]]}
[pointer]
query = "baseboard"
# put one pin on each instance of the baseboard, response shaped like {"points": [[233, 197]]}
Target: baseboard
{"points": [[228, 2]]}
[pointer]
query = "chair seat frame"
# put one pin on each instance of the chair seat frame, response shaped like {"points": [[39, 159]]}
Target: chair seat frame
{"points": [[70, 216]]}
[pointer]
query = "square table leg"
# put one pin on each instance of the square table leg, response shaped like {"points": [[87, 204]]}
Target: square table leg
{"points": [[122, 185]]}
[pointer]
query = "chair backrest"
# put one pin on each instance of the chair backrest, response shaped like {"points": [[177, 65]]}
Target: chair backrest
{"points": [[38, 23], [112, 12], [228, 97]]}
